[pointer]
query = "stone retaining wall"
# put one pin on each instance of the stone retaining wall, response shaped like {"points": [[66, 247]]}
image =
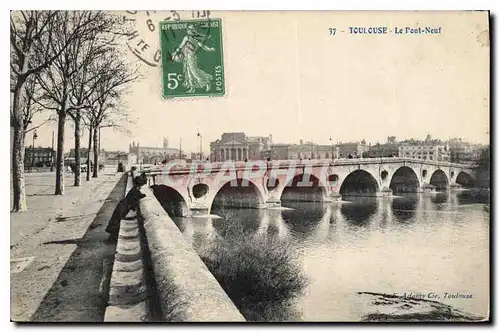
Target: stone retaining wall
{"points": [[187, 291]]}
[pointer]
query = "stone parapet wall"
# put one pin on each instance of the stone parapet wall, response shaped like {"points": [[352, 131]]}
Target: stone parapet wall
{"points": [[186, 289]]}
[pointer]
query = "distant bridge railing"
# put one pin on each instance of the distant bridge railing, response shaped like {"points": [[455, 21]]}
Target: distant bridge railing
{"points": [[201, 166]]}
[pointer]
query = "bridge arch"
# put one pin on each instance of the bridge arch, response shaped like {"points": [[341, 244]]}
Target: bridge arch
{"points": [[439, 179], [359, 183], [237, 193], [304, 188], [172, 201], [404, 180], [465, 180]]}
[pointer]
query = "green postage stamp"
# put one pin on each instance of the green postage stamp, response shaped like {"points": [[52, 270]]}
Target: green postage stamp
{"points": [[192, 58]]}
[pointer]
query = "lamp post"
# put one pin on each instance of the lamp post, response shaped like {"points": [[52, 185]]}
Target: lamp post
{"points": [[35, 136], [331, 140], [201, 144]]}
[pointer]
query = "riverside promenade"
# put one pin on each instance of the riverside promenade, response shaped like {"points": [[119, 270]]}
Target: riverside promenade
{"points": [[60, 261]]}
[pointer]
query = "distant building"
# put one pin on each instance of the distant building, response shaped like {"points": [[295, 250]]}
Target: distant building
{"points": [[280, 151], [39, 157], [388, 149], [352, 149], [427, 150], [84, 154], [238, 146], [464, 152], [382, 151], [153, 155], [310, 150], [115, 157]]}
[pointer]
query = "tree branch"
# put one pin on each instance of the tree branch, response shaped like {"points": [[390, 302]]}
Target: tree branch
{"points": [[38, 126]]}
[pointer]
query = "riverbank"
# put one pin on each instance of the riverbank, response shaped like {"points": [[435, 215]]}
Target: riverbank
{"points": [[394, 308]]}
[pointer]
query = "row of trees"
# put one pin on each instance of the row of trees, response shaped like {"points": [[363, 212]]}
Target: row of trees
{"points": [[71, 65]]}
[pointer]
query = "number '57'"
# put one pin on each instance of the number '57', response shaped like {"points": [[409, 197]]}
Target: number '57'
{"points": [[333, 31], [173, 80]]}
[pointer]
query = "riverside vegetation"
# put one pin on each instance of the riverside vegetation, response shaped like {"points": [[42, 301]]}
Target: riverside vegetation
{"points": [[258, 273]]}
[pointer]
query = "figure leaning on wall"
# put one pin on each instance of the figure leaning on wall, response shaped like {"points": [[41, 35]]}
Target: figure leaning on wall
{"points": [[129, 202]]}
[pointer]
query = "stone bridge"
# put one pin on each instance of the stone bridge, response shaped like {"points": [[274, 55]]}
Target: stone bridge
{"points": [[200, 186]]}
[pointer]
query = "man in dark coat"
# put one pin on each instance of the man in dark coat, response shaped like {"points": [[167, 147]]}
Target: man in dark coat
{"points": [[129, 202]]}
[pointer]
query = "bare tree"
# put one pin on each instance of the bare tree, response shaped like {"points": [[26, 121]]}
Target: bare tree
{"points": [[84, 81], [31, 108], [107, 110], [89, 125], [30, 105], [27, 28], [77, 30]]}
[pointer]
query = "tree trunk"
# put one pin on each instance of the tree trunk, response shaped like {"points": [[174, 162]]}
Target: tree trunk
{"points": [[18, 184], [88, 154], [96, 154], [77, 120], [60, 153]]}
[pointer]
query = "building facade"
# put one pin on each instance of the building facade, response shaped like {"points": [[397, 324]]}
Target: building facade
{"points": [[310, 150], [239, 147], [427, 150], [280, 151], [39, 157], [153, 155]]}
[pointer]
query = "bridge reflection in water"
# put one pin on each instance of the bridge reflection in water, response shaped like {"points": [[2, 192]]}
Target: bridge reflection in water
{"points": [[408, 243]]}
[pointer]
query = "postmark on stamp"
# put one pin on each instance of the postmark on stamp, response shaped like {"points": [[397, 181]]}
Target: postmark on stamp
{"points": [[192, 58]]}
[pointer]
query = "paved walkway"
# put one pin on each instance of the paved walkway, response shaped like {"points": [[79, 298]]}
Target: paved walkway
{"points": [[44, 238]]}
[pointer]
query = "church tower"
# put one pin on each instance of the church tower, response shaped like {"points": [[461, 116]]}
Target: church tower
{"points": [[165, 143]]}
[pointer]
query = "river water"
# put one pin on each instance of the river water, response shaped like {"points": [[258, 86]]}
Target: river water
{"points": [[419, 243]]}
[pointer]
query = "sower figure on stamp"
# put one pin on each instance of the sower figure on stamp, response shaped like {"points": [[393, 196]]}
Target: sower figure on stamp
{"points": [[194, 76], [129, 202]]}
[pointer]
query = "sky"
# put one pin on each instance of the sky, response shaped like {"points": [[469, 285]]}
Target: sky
{"points": [[286, 75]]}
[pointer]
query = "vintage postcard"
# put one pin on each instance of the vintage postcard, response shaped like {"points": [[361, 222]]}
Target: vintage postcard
{"points": [[250, 166]]}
